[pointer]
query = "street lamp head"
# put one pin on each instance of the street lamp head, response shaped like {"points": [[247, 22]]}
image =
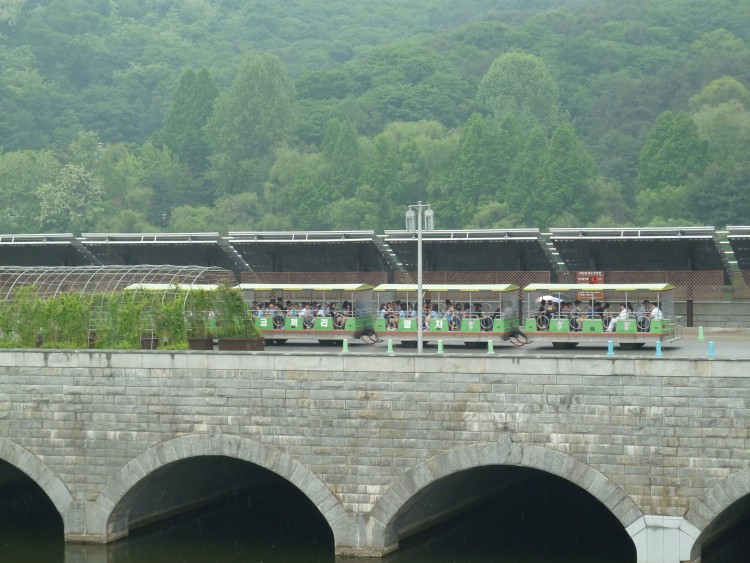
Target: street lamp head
{"points": [[429, 219], [411, 224]]}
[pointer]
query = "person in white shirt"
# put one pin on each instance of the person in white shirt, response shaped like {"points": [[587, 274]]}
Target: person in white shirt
{"points": [[655, 313], [625, 311]]}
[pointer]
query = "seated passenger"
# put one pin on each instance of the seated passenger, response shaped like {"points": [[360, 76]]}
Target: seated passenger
{"points": [[391, 317], [643, 310], [626, 311], [551, 309], [655, 313]]}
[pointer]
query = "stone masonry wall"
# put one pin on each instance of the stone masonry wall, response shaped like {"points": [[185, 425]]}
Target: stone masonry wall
{"points": [[664, 431]]}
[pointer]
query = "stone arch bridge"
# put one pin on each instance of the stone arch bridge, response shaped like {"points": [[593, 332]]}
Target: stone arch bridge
{"points": [[661, 443]]}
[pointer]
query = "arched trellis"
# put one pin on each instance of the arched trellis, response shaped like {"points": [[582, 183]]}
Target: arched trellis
{"points": [[107, 306], [53, 280]]}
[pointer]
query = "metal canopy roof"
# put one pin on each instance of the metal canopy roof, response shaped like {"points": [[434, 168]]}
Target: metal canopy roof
{"points": [[739, 240], [56, 249], [473, 250], [639, 249], [313, 251], [200, 249], [481, 250]]}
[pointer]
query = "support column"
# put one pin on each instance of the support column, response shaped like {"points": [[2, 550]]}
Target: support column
{"points": [[663, 539]]}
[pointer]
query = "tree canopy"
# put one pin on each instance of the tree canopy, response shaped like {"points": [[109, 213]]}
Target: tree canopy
{"points": [[205, 115]]}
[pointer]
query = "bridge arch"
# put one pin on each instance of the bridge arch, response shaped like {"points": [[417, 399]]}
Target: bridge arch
{"points": [[503, 452], [37, 471], [245, 449], [717, 508]]}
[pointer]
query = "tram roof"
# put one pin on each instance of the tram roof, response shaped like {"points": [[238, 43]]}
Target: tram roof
{"points": [[200, 249], [639, 249], [447, 287], [313, 251], [173, 287], [473, 250], [304, 287], [599, 287]]}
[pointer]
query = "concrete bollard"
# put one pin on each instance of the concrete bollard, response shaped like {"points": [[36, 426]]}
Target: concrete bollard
{"points": [[711, 350], [658, 348], [490, 347], [701, 338], [390, 347], [610, 348], [345, 347], [440, 347]]}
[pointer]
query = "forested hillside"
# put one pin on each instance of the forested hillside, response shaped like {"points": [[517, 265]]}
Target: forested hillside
{"points": [[204, 115]]}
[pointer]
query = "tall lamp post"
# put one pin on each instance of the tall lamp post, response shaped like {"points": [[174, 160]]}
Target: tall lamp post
{"points": [[416, 211]]}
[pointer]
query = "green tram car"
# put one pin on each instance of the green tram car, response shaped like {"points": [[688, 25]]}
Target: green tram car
{"points": [[328, 313], [472, 314], [629, 315]]}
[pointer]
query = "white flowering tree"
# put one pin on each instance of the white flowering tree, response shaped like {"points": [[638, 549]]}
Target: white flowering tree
{"points": [[72, 201]]}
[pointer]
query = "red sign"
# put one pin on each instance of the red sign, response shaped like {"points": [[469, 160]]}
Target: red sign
{"points": [[593, 278], [590, 277]]}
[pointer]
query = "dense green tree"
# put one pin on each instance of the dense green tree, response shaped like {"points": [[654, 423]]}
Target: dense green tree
{"points": [[184, 122], [672, 154], [26, 101], [21, 173], [402, 82], [719, 91], [85, 150], [382, 168], [352, 213], [608, 204], [341, 150], [171, 182], [726, 128], [716, 53], [296, 189], [519, 84], [523, 190], [118, 170], [568, 172], [672, 161], [189, 219], [721, 195], [477, 178], [381, 118], [494, 215], [125, 221], [240, 212], [249, 121]]}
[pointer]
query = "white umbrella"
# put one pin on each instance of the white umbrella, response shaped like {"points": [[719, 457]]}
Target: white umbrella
{"points": [[556, 299]]}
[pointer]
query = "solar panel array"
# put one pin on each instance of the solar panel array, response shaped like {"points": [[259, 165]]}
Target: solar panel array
{"points": [[394, 253]]}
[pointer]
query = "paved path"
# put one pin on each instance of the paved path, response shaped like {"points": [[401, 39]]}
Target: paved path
{"points": [[731, 343]]}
